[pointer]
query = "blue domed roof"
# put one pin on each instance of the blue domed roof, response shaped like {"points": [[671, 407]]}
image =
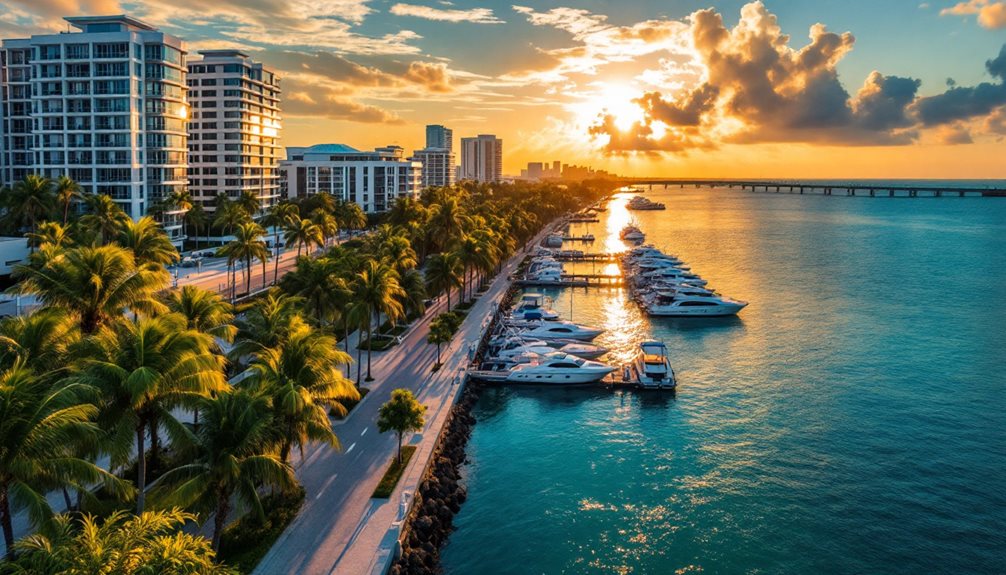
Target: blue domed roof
{"points": [[330, 149]]}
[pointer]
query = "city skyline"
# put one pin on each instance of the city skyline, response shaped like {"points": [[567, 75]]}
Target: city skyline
{"points": [[628, 91]]}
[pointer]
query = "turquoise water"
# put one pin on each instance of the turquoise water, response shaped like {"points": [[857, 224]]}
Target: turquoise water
{"points": [[851, 420]]}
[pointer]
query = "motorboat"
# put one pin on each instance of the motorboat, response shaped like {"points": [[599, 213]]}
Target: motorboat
{"points": [[641, 203], [517, 346], [548, 330], [560, 369], [653, 366], [547, 276], [669, 274], [681, 305], [632, 233], [552, 241], [531, 306]]}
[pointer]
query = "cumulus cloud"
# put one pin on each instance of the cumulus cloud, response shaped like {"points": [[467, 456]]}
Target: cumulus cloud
{"points": [[759, 88], [475, 15], [966, 102], [309, 103], [990, 14], [433, 76]]}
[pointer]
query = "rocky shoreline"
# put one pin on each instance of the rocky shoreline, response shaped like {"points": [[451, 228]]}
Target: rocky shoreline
{"points": [[440, 494]]}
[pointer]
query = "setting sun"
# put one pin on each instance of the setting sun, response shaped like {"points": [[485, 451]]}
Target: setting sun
{"points": [[616, 100]]}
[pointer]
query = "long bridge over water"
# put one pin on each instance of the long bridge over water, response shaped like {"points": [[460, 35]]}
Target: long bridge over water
{"points": [[904, 190]]}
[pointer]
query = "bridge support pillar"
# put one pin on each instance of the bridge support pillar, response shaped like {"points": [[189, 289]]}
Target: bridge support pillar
{"points": [[872, 192]]}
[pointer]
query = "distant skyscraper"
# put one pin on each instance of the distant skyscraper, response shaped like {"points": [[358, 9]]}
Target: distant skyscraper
{"points": [[438, 136], [482, 158], [234, 128], [108, 103]]}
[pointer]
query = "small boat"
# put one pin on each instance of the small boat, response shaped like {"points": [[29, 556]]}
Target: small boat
{"points": [[531, 306], [552, 241], [632, 234], [560, 369], [641, 203], [653, 366]]}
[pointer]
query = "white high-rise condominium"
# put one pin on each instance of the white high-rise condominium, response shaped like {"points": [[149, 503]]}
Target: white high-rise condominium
{"points": [[441, 137], [234, 128], [371, 179], [106, 106], [438, 166], [482, 158]]}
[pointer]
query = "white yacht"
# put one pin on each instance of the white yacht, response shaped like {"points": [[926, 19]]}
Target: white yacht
{"points": [[653, 366], [677, 304], [545, 276], [560, 369], [518, 346], [669, 274], [531, 306], [548, 330], [632, 233]]}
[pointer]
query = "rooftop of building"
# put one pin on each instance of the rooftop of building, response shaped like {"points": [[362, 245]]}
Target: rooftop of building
{"points": [[84, 23], [231, 53], [328, 149]]}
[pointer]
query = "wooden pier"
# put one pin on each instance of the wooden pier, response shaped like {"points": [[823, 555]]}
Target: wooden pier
{"points": [[576, 280], [588, 258], [834, 189], [587, 239]]}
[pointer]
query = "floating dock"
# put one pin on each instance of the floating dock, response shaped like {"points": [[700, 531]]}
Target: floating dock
{"points": [[578, 238], [576, 280], [588, 258]]}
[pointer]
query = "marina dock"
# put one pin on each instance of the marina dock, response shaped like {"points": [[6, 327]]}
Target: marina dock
{"points": [[576, 280]]}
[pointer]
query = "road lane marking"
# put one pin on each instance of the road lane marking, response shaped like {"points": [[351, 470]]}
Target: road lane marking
{"points": [[324, 487], [364, 432], [350, 448]]}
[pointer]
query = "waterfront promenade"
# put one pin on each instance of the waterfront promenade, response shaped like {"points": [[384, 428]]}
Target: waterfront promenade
{"points": [[341, 529]]}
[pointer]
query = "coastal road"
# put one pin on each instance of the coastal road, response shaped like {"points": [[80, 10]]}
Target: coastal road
{"points": [[340, 528]]}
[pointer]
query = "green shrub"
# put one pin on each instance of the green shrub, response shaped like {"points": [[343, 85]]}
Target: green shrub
{"points": [[394, 473], [246, 541], [349, 404]]}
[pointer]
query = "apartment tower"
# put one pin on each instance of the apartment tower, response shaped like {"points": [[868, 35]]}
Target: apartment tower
{"points": [[104, 105], [482, 158], [234, 129]]}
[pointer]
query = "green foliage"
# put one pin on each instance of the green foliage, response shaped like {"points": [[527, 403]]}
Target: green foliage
{"points": [[402, 413], [349, 405], [390, 479], [122, 544], [247, 540]]}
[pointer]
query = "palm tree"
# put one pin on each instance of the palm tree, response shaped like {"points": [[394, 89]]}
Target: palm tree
{"points": [[147, 241], [447, 223], [41, 340], [204, 311], [248, 202], [316, 281], [142, 371], [233, 459], [488, 250], [302, 379], [279, 217], [66, 191], [246, 246], [358, 316], [30, 200], [304, 233], [122, 544], [95, 284], [414, 286], [103, 218], [377, 286], [349, 215], [396, 251], [197, 218], [229, 214], [50, 240], [38, 424], [327, 223], [467, 252], [266, 324], [443, 273]]}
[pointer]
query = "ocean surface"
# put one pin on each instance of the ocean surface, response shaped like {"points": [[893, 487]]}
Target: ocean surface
{"points": [[851, 420]]}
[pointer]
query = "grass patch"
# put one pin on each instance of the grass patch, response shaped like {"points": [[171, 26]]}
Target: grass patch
{"points": [[381, 343], [246, 541], [394, 473], [349, 404]]}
